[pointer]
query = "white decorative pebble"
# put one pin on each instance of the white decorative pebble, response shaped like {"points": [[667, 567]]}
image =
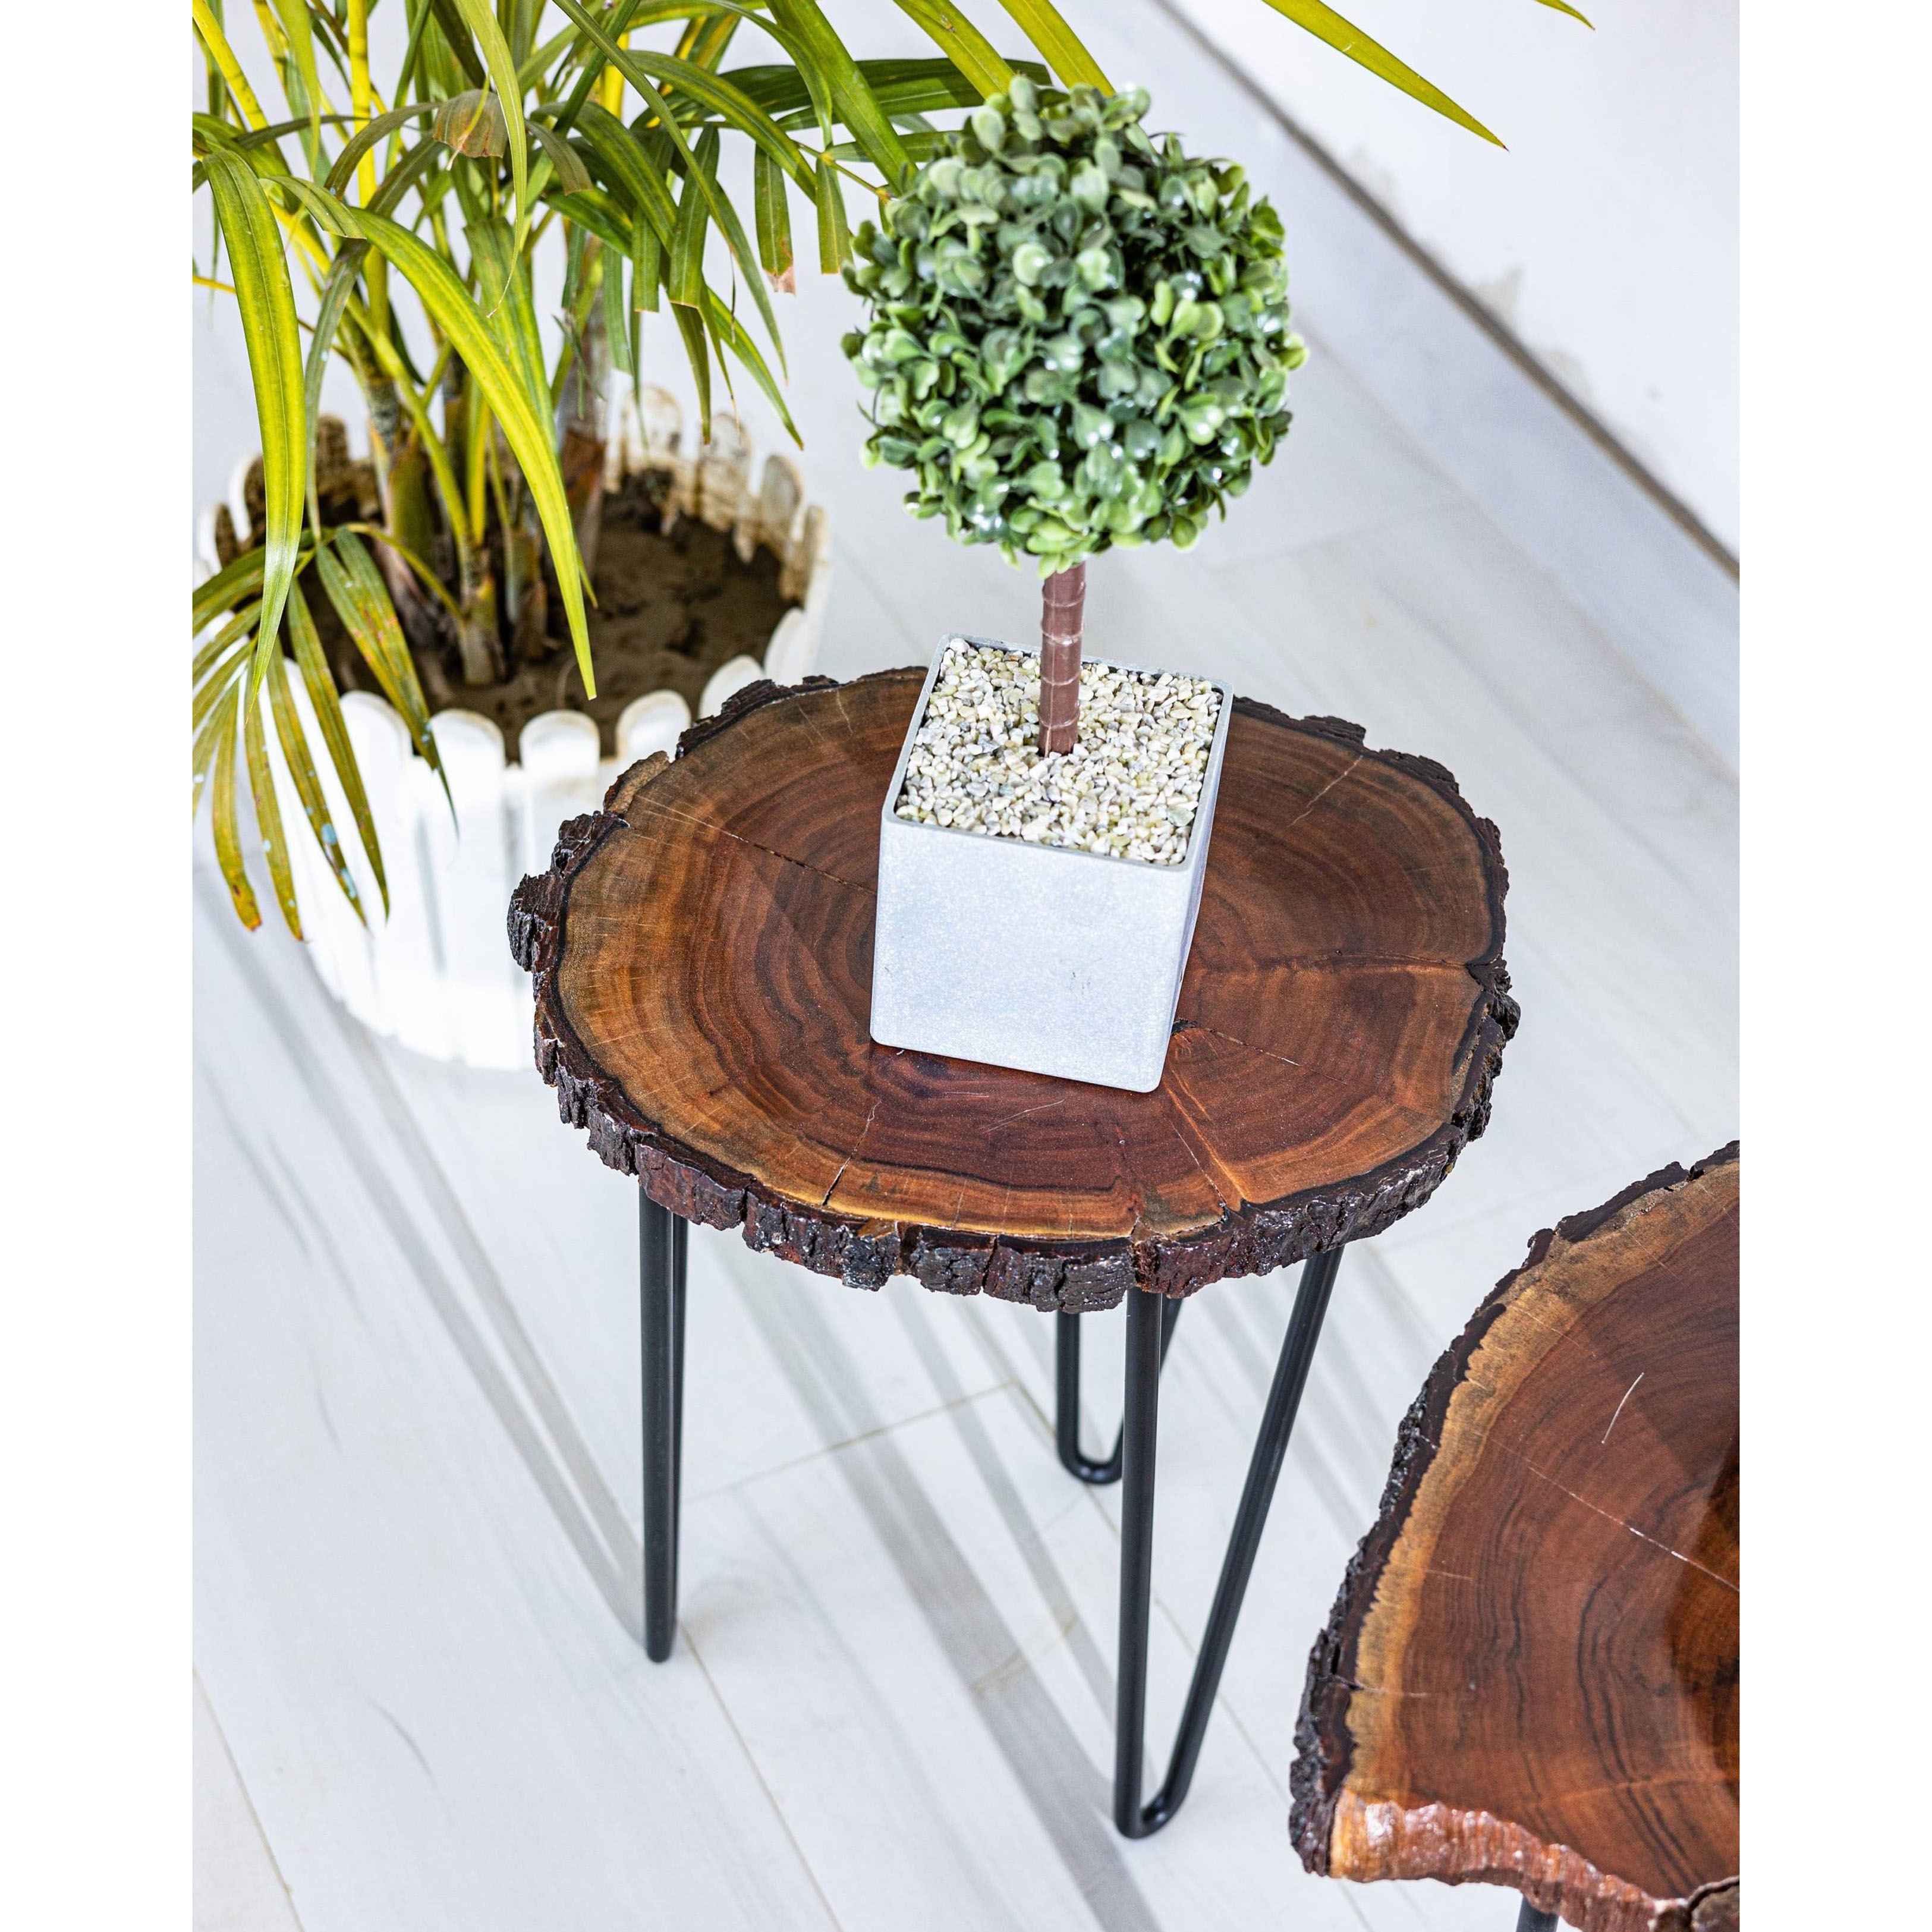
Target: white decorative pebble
{"points": [[1129, 786]]}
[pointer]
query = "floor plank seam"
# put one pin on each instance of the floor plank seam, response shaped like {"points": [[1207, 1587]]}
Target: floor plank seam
{"points": [[248, 1799], [757, 1771], [739, 1484]]}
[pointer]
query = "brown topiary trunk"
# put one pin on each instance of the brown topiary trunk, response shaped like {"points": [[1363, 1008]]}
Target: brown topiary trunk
{"points": [[1062, 599]]}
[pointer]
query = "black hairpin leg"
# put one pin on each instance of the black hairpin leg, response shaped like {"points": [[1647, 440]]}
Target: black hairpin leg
{"points": [[662, 1241], [1141, 1426], [1067, 1397], [1530, 1920]]}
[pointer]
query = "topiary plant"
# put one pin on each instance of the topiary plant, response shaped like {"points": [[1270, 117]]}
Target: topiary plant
{"points": [[1078, 336]]}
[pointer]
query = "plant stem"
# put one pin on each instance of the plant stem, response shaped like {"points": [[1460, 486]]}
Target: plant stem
{"points": [[403, 485], [476, 636], [476, 427], [524, 583], [455, 415], [375, 269], [386, 431], [1062, 599], [583, 415]]}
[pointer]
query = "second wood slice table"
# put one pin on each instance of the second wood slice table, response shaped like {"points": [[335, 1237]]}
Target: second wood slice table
{"points": [[1530, 1675], [702, 953]]}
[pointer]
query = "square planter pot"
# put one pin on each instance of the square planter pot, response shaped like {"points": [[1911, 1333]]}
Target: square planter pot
{"points": [[1034, 956]]}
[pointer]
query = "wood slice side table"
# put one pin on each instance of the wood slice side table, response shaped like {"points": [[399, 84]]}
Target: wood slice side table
{"points": [[1530, 1676], [702, 952]]}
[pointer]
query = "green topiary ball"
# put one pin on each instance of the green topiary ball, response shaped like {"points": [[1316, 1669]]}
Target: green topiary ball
{"points": [[1077, 338]]}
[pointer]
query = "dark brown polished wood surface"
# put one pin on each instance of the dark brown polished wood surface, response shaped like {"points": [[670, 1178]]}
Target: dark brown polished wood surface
{"points": [[1530, 1676], [703, 953]]}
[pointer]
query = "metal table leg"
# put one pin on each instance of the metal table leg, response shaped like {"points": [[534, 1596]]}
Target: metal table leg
{"points": [[1132, 1818], [1067, 1397], [1530, 1920], [661, 1243]]}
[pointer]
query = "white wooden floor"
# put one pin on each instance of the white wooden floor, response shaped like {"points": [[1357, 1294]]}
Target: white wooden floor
{"points": [[420, 1701]]}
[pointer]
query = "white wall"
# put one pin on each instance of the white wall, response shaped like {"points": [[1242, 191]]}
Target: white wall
{"points": [[1605, 239]]}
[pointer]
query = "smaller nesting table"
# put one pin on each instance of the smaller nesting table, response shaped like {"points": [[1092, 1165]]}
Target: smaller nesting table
{"points": [[702, 951], [1530, 1675]]}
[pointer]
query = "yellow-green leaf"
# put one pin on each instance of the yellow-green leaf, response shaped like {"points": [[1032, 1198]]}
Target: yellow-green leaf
{"points": [[480, 19], [208, 29], [472, 123], [773, 215], [962, 44], [590, 70], [706, 160], [735, 108], [448, 17], [364, 138], [243, 621], [857, 106], [227, 588], [568, 169], [336, 291], [835, 235], [503, 282], [328, 708], [294, 19], [921, 85], [208, 738], [687, 242], [730, 333], [214, 686], [227, 830], [628, 164], [617, 315], [302, 774], [646, 265], [1041, 22], [268, 310], [1326, 25], [424, 576], [356, 587], [269, 813], [690, 330], [605, 35]]}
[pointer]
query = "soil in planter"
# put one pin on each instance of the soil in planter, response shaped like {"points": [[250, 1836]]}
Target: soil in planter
{"points": [[671, 609]]}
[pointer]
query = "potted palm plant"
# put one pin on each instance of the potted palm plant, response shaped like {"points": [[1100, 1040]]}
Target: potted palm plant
{"points": [[399, 650], [380, 640]]}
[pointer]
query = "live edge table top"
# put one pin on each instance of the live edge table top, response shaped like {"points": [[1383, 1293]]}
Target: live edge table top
{"points": [[1530, 1675], [702, 951]]}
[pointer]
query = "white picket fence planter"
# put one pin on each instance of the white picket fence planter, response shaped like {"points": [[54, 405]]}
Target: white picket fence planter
{"points": [[436, 974]]}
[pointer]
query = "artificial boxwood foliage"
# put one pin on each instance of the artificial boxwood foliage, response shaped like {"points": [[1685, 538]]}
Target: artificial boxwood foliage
{"points": [[1077, 337]]}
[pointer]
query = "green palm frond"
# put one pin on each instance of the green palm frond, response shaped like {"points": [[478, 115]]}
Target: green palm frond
{"points": [[1328, 26]]}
